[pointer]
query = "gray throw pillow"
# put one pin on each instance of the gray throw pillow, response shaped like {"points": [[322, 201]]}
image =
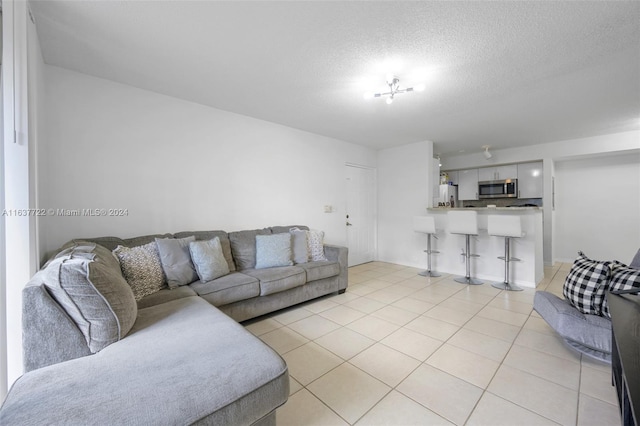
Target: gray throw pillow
{"points": [[141, 268], [208, 258], [273, 250], [86, 281], [176, 261], [299, 245]]}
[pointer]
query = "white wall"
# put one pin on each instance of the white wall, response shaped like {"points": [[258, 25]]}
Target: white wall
{"points": [[598, 207], [404, 191], [177, 165]]}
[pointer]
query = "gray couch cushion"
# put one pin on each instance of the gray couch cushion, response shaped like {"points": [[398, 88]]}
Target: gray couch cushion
{"points": [[85, 280], [165, 295], [274, 280], [176, 260], [591, 334], [243, 247], [319, 270], [283, 229], [112, 242], [209, 235], [228, 289], [182, 362]]}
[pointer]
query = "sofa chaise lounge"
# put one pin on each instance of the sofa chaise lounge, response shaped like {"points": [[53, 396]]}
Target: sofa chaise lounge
{"points": [[174, 357]]}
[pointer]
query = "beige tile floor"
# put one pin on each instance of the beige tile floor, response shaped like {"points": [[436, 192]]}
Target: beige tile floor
{"points": [[401, 349]]}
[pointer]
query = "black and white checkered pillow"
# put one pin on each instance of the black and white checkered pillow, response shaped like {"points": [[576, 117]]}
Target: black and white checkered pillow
{"points": [[623, 277], [586, 283]]}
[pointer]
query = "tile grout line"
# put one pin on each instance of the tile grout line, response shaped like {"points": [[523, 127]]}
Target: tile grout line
{"points": [[415, 290]]}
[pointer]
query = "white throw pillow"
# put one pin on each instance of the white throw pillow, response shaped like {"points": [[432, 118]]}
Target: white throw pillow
{"points": [[316, 245]]}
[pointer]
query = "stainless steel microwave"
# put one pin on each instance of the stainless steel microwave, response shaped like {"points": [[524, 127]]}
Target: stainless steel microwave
{"points": [[507, 188]]}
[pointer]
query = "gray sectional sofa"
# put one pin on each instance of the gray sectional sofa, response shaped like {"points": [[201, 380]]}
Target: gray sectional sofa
{"points": [[95, 355]]}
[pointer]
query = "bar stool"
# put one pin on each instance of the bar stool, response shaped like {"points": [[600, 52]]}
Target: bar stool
{"points": [[427, 225], [507, 227], [465, 223]]}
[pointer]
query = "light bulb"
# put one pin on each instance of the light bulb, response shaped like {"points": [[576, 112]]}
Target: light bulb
{"points": [[419, 88], [389, 100]]}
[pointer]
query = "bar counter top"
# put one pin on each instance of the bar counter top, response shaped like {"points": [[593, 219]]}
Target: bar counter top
{"points": [[483, 209]]}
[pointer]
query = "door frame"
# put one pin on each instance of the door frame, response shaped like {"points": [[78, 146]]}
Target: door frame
{"points": [[374, 170]]}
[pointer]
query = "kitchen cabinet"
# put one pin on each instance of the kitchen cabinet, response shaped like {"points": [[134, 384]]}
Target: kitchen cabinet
{"points": [[530, 180], [468, 184], [498, 173]]}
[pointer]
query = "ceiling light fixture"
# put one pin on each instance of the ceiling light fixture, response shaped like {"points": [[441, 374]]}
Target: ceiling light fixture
{"points": [[487, 154], [394, 88]]}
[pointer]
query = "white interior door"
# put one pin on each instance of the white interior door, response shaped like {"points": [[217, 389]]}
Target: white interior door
{"points": [[360, 217]]}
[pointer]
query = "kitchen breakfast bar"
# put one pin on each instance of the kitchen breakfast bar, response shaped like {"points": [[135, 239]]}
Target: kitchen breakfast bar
{"points": [[488, 268]]}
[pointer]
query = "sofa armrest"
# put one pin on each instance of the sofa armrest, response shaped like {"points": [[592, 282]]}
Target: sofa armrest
{"points": [[339, 254], [49, 335]]}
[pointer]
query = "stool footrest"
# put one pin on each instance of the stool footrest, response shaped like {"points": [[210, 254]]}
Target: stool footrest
{"points": [[431, 251], [511, 259]]}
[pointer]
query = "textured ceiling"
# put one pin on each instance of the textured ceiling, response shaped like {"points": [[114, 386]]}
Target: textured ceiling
{"points": [[498, 73]]}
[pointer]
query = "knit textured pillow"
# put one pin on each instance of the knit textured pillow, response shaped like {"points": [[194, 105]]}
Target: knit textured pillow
{"points": [[585, 286], [623, 277], [142, 269], [316, 245]]}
